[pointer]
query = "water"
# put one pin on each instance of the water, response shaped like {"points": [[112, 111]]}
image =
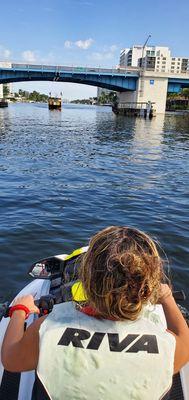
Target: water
{"points": [[65, 175]]}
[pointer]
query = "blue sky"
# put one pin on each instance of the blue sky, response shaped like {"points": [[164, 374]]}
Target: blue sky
{"points": [[87, 32]]}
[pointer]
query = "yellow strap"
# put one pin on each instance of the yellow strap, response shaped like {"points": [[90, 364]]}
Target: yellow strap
{"points": [[78, 292], [75, 253], [77, 289]]}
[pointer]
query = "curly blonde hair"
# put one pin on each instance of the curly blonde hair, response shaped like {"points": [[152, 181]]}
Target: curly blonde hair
{"points": [[120, 272]]}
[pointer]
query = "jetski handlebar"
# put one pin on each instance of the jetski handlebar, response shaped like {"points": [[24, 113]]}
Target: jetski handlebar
{"points": [[46, 303]]}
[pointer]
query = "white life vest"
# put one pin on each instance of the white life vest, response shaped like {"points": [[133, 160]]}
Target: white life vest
{"points": [[83, 357]]}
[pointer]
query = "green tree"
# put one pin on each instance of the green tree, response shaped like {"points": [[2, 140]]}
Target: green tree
{"points": [[103, 98], [6, 90], [185, 93], [34, 96], [107, 98]]}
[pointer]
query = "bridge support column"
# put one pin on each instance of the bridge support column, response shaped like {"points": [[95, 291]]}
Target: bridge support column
{"points": [[150, 88], [127, 97]]}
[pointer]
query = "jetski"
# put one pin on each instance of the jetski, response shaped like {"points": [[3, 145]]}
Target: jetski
{"points": [[55, 280]]}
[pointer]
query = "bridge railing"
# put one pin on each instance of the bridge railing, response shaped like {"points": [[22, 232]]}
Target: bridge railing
{"points": [[80, 69], [135, 105], [61, 68]]}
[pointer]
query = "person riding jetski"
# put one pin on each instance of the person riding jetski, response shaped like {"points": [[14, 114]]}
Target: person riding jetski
{"points": [[113, 344]]}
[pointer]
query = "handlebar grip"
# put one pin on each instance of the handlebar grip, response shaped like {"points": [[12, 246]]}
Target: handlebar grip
{"points": [[45, 305], [6, 312], [179, 295]]}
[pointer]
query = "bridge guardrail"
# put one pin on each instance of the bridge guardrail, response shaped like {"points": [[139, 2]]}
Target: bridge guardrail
{"points": [[134, 105], [81, 69], [59, 68]]}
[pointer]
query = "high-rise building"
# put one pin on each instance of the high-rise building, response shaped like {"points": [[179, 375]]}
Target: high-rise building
{"points": [[155, 58], [130, 57]]}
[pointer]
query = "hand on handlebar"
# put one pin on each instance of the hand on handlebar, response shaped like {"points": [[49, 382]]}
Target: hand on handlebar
{"points": [[27, 301], [165, 291]]}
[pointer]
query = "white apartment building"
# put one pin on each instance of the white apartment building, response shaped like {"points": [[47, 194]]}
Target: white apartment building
{"points": [[130, 57], [155, 58]]}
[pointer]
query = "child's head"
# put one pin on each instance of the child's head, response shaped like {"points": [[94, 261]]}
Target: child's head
{"points": [[120, 272]]}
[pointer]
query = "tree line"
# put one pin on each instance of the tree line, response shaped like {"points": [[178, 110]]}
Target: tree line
{"points": [[183, 94], [25, 95], [178, 101], [107, 98], [104, 98]]}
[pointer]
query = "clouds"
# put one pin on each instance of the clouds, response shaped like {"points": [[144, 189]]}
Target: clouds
{"points": [[84, 44], [4, 53], [78, 52], [100, 54], [29, 56], [81, 44], [107, 53], [68, 44], [88, 51]]}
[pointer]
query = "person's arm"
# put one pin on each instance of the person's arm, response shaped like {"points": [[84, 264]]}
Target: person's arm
{"points": [[20, 349], [176, 325]]}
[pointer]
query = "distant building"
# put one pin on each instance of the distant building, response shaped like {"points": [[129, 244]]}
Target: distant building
{"points": [[155, 58]]}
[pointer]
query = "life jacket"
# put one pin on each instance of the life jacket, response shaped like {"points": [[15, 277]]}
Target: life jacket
{"points": [[82, 357]]}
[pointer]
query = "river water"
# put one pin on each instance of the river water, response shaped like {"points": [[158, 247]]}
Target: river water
{"points": [[65, 175]]}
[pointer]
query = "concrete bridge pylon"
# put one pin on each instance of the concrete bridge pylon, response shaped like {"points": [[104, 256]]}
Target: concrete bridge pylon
{"points": [[150, 88]]}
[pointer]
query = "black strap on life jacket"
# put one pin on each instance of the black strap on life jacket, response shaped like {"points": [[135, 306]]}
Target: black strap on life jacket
{"points": [[9, 387], [176, 392], [39, 392]]}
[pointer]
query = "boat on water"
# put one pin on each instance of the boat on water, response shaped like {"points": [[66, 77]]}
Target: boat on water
{"points": [[3, 103], [54, 282], [55, 103]]}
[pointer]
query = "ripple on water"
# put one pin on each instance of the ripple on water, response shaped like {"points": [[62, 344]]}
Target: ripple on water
{"points": [[66, 175]]}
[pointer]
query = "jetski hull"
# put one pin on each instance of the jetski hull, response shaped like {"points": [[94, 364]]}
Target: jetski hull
{"points": [[14, 386]]}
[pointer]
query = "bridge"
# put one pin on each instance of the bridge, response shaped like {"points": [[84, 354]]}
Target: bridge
{"points": [[132, 83], [112, 79]]}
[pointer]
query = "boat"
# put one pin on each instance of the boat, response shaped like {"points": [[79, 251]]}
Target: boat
{"points": [[53, 281], [3, 103], [55, 103]]}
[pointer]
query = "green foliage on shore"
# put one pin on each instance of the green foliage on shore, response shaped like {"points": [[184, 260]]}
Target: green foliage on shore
{"points": [[84, 101], [107, 98], [183, 94], [23, 95], [33, 96], [178, 101], [6, 91], [104, 98]]}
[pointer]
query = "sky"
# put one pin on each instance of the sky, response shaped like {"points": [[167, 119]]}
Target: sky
{"points": [[87, 33]]}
